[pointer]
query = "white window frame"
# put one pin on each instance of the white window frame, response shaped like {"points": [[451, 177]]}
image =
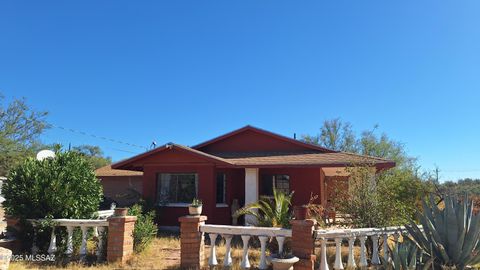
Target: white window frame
{"points": [[224, 204]]}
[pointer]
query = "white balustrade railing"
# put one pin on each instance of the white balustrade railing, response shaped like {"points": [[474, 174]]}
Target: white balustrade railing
{"points": [[98, 226], [263, 233], [350, 235], [104, 214]]}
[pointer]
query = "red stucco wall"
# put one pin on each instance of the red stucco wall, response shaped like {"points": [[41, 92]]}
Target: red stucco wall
{"points": [[251, 141], [303, 181], [119, 188]]}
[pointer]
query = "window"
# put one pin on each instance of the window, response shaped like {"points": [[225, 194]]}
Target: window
{"points": [[221, 187], [177, 187], [280, 182]]}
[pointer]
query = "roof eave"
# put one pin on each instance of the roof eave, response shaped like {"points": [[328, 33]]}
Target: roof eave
{"points": [[378, 166], [123, 165]]}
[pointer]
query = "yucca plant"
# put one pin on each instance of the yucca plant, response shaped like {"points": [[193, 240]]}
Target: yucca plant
{"points": [[270, 212], [450, 235], [405, 256]]}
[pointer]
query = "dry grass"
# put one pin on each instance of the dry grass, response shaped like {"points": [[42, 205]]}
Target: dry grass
{"points": [[163, 253], [236, 253]]}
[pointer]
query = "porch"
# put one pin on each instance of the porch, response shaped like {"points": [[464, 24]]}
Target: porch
{"points": [[225, 190]]}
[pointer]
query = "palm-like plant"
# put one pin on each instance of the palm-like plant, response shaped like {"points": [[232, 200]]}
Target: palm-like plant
{"points": [[270, 212], [450, 235]]}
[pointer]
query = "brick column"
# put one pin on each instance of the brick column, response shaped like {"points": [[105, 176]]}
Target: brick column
{"points": [[191, 242], [120, 238], [303, 243]]}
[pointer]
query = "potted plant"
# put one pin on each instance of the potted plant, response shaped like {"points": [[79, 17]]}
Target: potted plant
{"points": [[195, 208], [283, 261]]}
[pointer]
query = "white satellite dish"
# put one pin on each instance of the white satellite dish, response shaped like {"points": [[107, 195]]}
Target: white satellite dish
{"points": [[43, 154]]}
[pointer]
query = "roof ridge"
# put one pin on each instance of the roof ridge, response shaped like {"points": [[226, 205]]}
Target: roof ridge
{"points": [[265, 132]]}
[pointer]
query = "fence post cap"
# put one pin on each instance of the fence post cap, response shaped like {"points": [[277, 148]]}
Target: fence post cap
{"points": [[120, 211], [305, 222], [192, 219]]}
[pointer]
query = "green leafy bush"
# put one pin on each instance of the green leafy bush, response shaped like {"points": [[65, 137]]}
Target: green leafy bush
{"points": [[145, 228], [378, 199], [60, 187]]}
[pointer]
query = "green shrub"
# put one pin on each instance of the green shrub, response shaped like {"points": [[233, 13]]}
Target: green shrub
{"points": [[62, 187], [145, 227]]}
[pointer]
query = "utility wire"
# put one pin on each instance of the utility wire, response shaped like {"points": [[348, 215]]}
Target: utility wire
{"points": [[98, 137]]}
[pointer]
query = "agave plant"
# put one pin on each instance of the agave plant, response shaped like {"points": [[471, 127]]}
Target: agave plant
{"points": [[270, 212], [450, 235], [405, 256]]}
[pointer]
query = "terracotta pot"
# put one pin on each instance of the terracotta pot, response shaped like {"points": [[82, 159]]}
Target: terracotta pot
{"points": [[120, 212], [301, 212], [195, 210], [282, 264]]}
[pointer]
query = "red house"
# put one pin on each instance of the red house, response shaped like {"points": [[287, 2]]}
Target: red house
{"points": [[243, 165]]}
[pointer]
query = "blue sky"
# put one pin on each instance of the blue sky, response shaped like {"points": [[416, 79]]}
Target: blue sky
{"points": [[186, 71]]}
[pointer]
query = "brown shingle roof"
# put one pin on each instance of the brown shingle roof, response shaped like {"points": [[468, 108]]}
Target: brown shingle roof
{"points": [[108, 171], [262, 159], [309, 159]]}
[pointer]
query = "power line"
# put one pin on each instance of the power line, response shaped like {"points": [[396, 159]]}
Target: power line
{"points": [[98, 137], [122, 150]]}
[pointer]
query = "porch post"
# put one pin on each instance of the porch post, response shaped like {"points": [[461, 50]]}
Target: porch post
{"points": [[251, 190], [323, 187]]}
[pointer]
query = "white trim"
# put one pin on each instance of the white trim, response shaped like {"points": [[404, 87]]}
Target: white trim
{"points": [[251, 191], [345, 233], [221, 205], [75, 222], [246, 230], [224, 191], [251, 185]]}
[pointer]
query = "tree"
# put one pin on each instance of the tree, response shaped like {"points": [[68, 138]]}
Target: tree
{"points": [[467, 185], [94, 155], [374, 198], [338, 135], [335, 135], [20, 128]]}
